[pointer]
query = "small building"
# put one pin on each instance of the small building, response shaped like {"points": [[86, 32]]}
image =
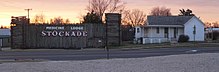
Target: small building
{"points": [[5, 38], [212, 29], [212, 33], [159, 29]]}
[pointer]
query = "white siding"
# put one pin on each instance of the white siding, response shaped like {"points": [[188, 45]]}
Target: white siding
{"points": [[199, 36], [154, 40], [171, 32], [151, 35], [140, 33], [152, 32], [180, 31]]}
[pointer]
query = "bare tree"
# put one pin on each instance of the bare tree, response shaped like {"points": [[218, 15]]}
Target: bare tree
{"points": [[215, 24], [39, 19], [212, 24], [67, 21], [101, 6], [4, 27], [160, 11], [98, 6], [134, 17], [207, 24], [116, 6], [57, 20], [188, 12], [91, 18]]}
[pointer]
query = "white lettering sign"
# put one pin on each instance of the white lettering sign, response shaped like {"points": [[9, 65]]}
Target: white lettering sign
{"points": [[64, 33], [55, 28], [77, 28], [75, 31]]}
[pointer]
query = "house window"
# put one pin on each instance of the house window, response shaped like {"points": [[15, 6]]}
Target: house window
{"points": [[166, 33], [158, 30], [138, 30]]}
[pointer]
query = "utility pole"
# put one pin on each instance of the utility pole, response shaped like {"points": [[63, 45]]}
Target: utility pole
{"points": [[106, 45], [25, 26], [194, 32], [28, 12]]}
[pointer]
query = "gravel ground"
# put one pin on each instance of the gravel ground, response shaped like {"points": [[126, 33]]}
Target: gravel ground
{"points": [[207, 62]]}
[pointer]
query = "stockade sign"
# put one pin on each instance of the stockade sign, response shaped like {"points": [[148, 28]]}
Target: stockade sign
{"points": [[69, 36]]}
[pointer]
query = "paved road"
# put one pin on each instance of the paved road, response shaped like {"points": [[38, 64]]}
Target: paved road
{"points": [[60, 55], [204, 62]]}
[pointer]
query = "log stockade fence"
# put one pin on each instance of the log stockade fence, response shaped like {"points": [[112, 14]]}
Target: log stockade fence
{"points": [[68, 36]]}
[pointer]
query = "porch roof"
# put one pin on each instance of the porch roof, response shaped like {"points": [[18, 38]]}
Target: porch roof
{"points": [[164, 26]]}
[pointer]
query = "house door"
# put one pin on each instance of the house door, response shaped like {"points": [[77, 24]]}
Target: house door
{"points": [[166, 32], [175, 32]]}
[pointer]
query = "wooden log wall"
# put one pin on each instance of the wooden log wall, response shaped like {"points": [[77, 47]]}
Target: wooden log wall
{"points": [[69, 36], [113, 22], [94, 38]]}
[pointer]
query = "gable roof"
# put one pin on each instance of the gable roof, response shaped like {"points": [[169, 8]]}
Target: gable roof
{"points": [[168, 20]]}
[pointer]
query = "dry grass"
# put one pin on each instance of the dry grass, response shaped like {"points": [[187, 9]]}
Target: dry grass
{"points": [[130, 45]]}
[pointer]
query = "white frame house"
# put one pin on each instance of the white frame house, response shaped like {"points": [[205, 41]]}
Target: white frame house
{"points": [[161, 29]]}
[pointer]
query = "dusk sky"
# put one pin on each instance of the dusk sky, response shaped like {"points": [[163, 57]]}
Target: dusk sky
{"points": [[207, 10]]}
